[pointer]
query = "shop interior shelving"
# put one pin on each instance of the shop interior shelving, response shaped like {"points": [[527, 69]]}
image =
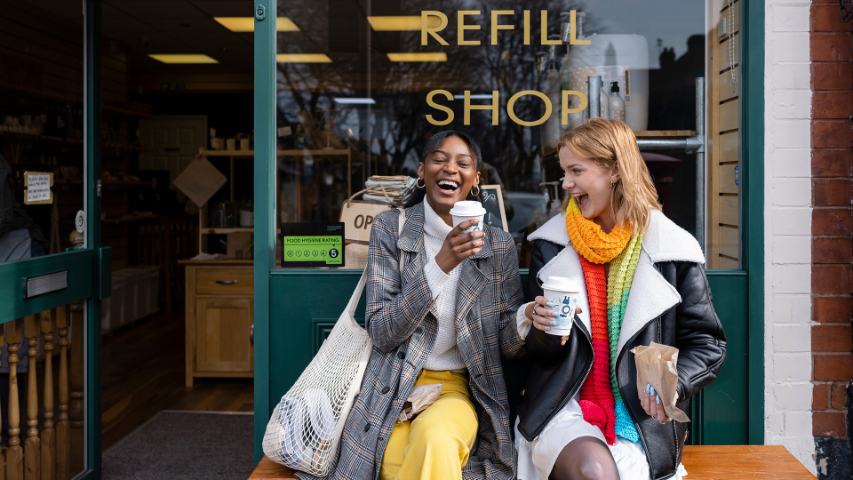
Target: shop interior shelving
{"points": [[237, 155]]}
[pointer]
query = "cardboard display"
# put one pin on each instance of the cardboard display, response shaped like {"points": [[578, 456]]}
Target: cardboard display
{"points": [[199, 181]]}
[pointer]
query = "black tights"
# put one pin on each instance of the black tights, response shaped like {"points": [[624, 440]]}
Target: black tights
{"points": [[585, 458]]}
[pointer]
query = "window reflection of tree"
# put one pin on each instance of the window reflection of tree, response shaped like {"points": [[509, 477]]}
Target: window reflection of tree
{"points": [[398, 126]]}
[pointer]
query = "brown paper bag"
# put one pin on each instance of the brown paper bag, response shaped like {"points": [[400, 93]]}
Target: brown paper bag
{"points": [[656, 367], [421, 397]]}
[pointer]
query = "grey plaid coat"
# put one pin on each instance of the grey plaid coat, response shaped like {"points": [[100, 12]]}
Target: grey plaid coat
{"points": [[403, 332]]}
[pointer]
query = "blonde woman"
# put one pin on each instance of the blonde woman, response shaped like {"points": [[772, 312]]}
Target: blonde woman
{"points": [[642, 280]]}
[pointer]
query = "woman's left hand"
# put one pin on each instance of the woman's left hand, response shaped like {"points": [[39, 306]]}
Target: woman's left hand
{"points": [[652, 404]]}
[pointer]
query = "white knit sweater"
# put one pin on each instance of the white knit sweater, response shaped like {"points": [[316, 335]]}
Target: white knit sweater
{"points": [[445, 353]]}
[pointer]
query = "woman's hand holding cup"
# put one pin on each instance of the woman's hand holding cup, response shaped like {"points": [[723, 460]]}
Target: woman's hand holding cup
{"points": [[459, 245], [542, 314], [560, 301]]}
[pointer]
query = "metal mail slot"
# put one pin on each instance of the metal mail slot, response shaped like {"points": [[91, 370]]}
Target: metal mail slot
{"points": [[42, 284]]}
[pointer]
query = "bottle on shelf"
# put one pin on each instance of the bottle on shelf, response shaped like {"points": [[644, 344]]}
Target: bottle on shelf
{"points": [[615, 103]]}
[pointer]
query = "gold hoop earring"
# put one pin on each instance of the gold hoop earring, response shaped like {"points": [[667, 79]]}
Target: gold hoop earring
{"points": [[420, 183], [477, 193]]}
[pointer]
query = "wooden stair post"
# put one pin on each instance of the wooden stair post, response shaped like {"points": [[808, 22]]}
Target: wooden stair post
{"points": [[3, 453], [63, 434], [48, 435], [14, 452], [32, 444], [78, 404]]}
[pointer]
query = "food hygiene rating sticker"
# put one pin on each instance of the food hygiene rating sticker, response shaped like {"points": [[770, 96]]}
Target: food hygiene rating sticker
{"points": [[310, 249]]}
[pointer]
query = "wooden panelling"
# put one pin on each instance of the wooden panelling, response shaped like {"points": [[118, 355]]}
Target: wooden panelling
{"points": [[730, 241], [724, 135], [730, 55], [729, 21], [730, 116], [727, 178], [44, 57], [729, 210], [729, 148], [729, 85], [725, 263], [38, 54]]}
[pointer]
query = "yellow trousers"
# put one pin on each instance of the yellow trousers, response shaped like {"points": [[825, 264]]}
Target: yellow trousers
{"points": [[436, 443]]}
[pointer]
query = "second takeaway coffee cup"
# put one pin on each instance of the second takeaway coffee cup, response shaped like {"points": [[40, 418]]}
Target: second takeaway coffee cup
{"points": [[467, 210], [562, 294]]}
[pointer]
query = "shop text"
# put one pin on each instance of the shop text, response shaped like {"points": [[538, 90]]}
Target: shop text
{"points": [[434, 23], [494, 107]]}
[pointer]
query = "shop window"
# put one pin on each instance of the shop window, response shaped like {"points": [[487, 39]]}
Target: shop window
{"points": [[361, 86], [41, 131]]}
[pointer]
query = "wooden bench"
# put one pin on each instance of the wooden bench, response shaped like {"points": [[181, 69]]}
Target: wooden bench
{"points": [[706, 462]]}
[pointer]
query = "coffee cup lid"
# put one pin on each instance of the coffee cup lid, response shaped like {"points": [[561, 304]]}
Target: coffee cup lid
{"points": [[561, 284], [467, 208]]}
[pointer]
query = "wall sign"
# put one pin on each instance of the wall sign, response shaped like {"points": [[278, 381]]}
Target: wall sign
{"points": [[312, 245], [37, 191]]}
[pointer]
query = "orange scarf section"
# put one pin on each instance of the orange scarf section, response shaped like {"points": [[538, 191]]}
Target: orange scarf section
{"points": [[591, 242]]}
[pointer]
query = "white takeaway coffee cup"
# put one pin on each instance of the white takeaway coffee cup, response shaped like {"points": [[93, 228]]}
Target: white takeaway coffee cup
{"points": [[467, 210], [562, 294]]}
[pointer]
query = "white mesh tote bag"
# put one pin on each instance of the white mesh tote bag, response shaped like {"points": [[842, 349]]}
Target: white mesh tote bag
{"points": [[306, 426]]}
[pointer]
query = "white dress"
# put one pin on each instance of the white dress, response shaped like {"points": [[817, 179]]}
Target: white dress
{"points": [[536, 459]]}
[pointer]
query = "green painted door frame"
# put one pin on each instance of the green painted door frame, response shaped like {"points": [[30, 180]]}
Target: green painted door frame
{"points": [[292, 314], [88, 268], [752, 207], [264, 214]]}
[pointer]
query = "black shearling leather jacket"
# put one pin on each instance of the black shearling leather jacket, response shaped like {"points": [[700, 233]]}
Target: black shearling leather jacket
{"points": [[556, 372]]}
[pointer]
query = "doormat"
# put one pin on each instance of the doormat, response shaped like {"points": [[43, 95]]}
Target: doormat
{"points": [[177, 444]]}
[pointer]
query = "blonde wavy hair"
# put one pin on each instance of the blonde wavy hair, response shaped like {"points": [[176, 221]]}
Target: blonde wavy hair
{"points": [[611, 143]]}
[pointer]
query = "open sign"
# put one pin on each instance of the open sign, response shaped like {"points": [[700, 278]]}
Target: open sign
{"points": [[358, 217]]}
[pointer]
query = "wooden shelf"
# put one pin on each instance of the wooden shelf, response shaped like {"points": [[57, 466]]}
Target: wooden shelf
{"points": [[221, 261], [227, 230], [329, 152], [31, 137], [664, 133], [39, 138], [224, 230]]}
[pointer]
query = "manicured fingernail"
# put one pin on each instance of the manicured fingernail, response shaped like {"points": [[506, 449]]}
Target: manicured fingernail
{"points": [[648, 389], [652, 390], [657, 399], [547, 329]]}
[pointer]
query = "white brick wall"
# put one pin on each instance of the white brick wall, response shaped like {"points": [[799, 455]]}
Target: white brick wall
{"points": [[787, 230]]}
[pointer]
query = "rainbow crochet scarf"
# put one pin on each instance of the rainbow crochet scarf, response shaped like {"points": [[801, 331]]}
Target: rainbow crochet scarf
{"points": [[600, 399]]}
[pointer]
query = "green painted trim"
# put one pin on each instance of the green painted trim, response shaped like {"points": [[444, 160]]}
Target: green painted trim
{"points": [[265, 200], [86, 475], [105, 272], [752, 153], [81, 266], [92, 174]]}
